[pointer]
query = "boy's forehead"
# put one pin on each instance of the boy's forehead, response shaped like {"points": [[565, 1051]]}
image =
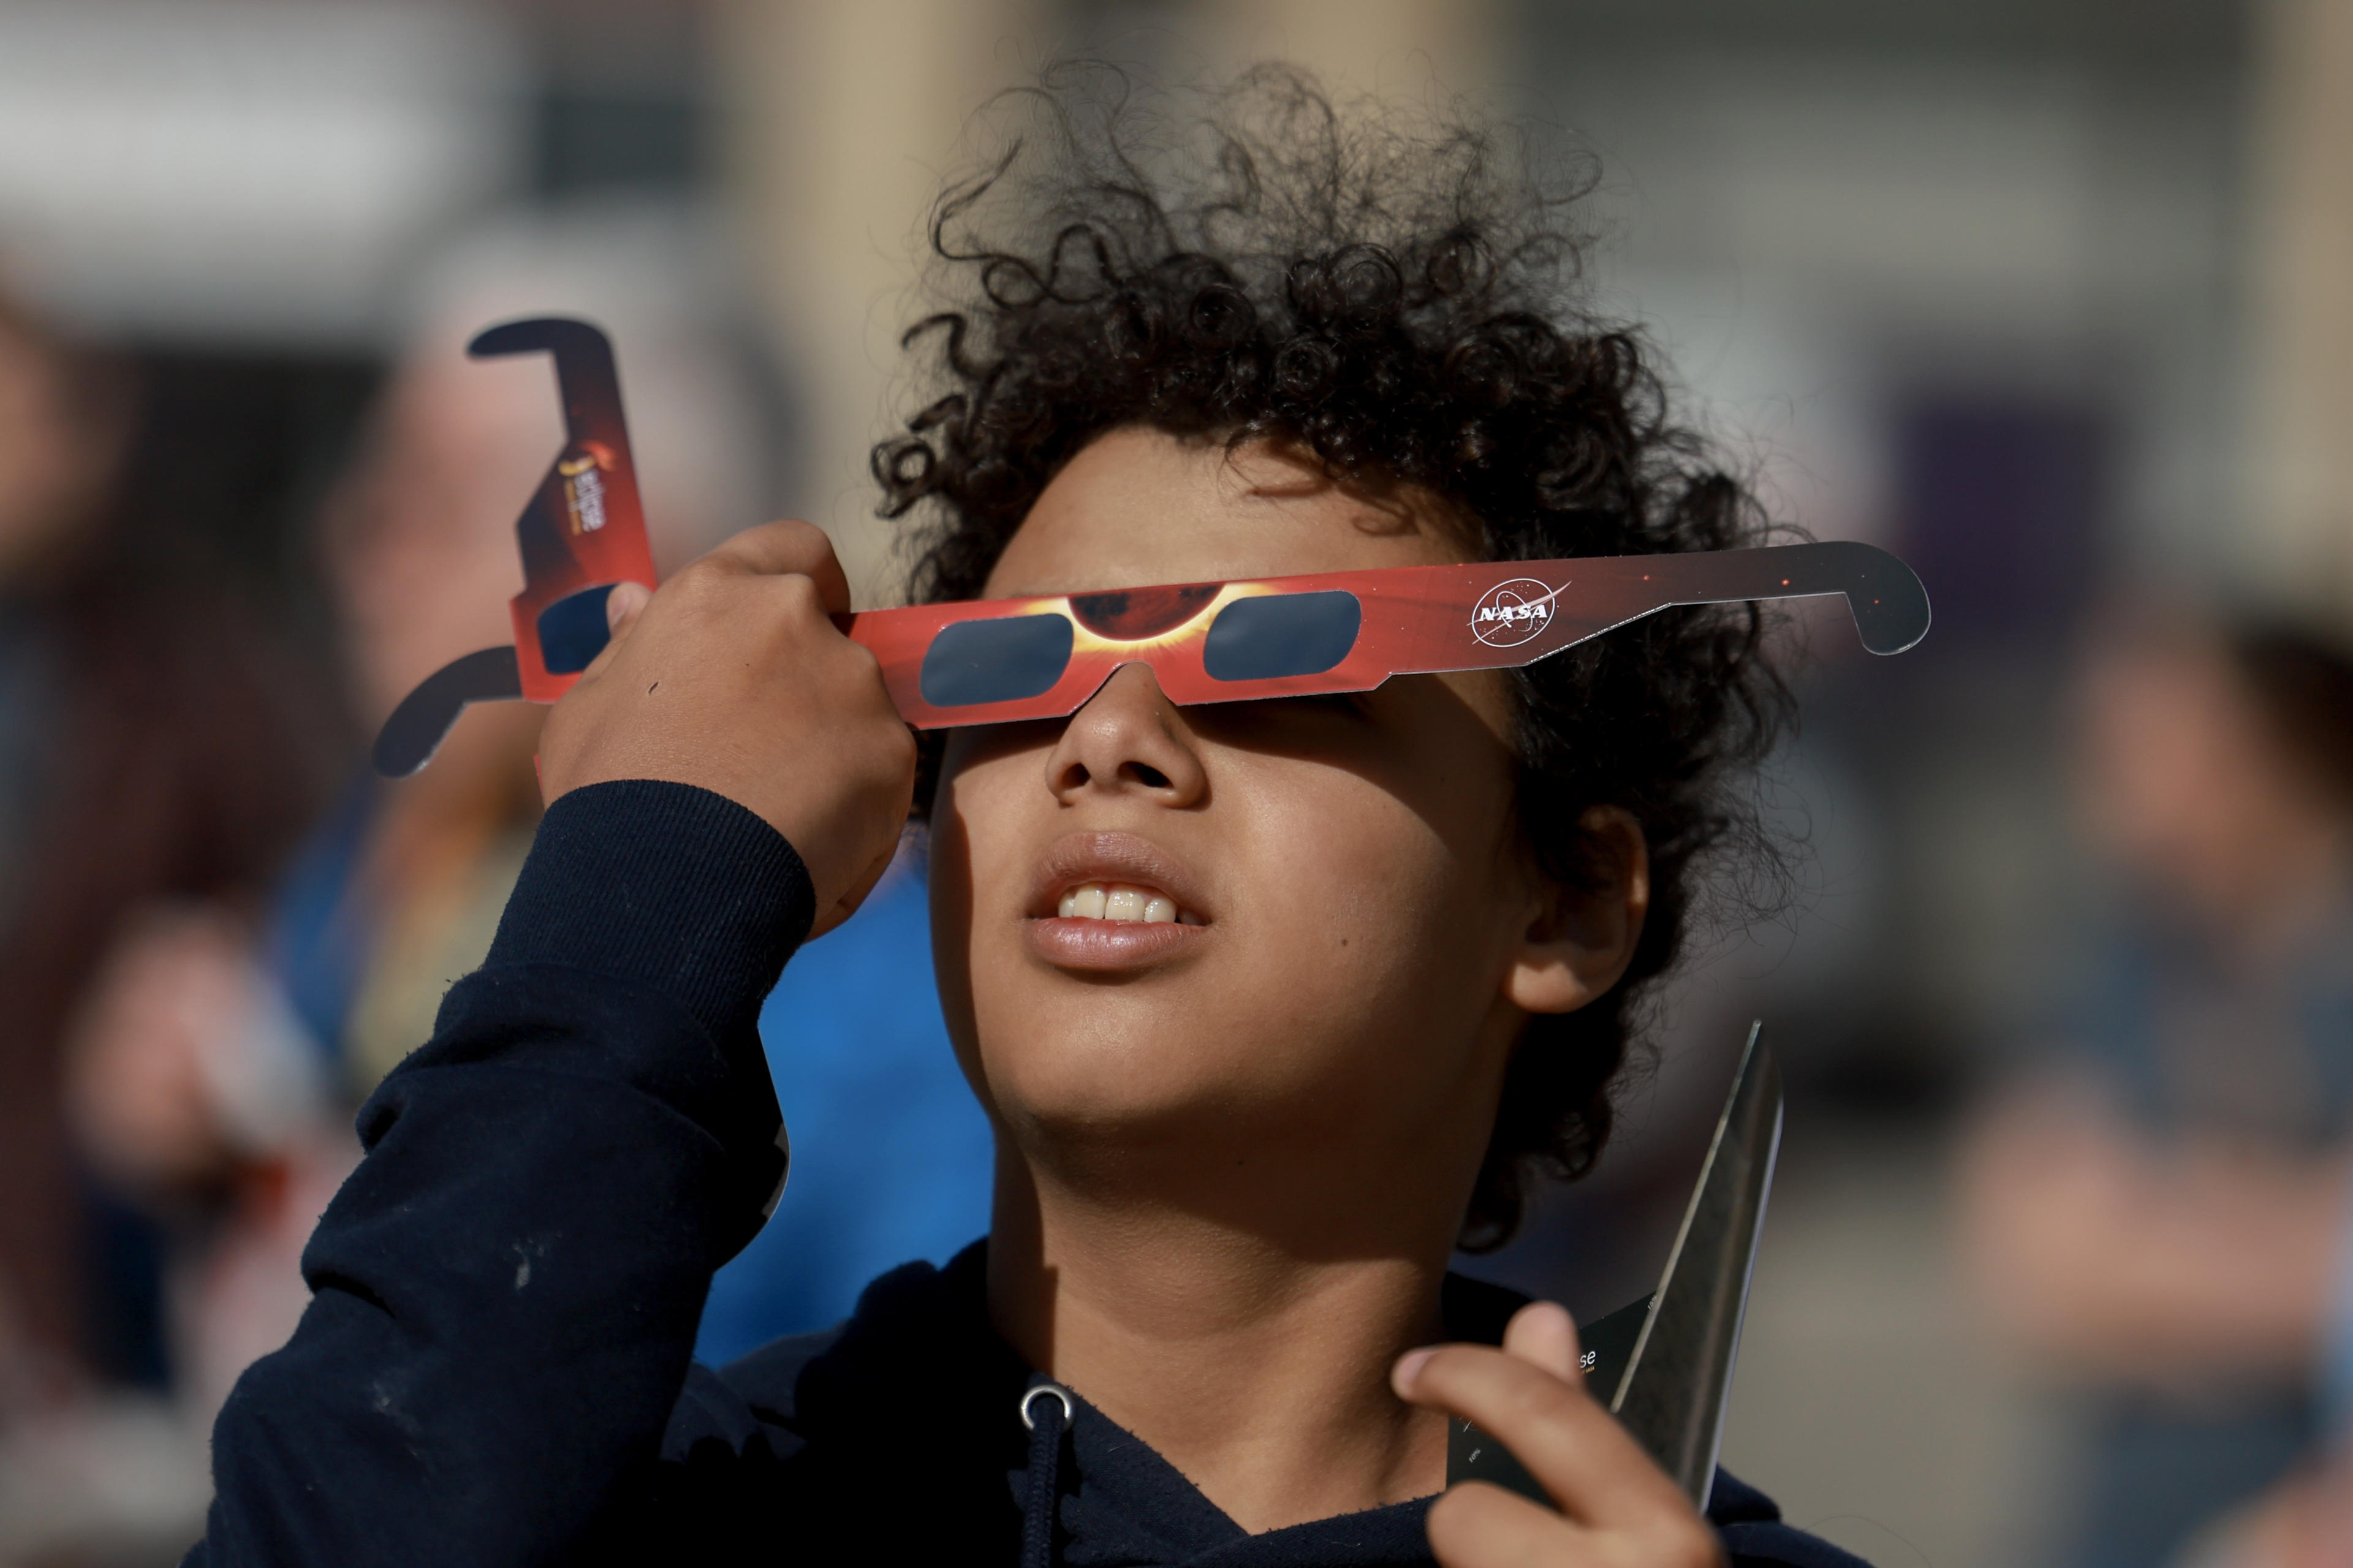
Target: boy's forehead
{"points": [[1138, 507]]}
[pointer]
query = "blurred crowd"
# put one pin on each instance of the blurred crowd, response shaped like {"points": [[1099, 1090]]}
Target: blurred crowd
{"points": [[2077, 912]]}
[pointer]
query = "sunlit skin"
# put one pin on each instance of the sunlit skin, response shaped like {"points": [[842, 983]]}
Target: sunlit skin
{"points": [[1233, 1156], [1233, 1150]]}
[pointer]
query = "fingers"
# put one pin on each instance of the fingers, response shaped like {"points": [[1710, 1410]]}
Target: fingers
{"points": [[1616, 1507], [772, 550], [1567, 1441], [1543, 1334], [735, 677], [788, 548]]}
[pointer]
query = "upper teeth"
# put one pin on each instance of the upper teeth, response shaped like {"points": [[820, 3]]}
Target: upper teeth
{"points": [[1113, 901]]}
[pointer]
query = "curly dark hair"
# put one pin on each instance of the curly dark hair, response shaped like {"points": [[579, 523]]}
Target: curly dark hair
{"points": [[1401, 299]]}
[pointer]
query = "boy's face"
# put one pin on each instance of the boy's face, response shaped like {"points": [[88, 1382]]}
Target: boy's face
{"points": [[1328, 939]]}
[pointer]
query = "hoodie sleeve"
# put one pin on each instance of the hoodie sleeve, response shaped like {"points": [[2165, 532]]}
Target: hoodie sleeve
{"points": [[506, 1292]]}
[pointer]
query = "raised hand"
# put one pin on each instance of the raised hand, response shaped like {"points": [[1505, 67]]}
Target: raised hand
{"points": [[733, 677]]}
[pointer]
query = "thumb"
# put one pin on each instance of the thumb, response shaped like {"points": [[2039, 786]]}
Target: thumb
{"points": [[1544, 1334], [623, 606]]}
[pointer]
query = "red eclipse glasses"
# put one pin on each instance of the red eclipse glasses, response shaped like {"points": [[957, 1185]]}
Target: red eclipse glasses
{"points": [[999, 660]]}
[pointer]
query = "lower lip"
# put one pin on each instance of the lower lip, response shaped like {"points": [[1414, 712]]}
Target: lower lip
{"points": [[1110, 945]]}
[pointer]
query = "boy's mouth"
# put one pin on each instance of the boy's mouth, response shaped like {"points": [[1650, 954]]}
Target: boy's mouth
{"points": [[1112, 901]]}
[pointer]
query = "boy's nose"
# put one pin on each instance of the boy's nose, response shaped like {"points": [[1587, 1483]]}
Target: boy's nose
{"points": [[1128, 738]]}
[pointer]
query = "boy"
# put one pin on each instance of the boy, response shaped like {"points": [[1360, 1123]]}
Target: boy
{"points": [[1269, 1003]]}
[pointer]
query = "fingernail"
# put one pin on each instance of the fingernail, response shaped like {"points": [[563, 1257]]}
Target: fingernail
{"points": [[1409, 1365], [625, 598]]}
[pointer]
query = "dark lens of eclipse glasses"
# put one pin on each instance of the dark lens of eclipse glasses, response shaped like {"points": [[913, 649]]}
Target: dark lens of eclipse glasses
{"points": [[1259, 639], [572, 631], [999, 660], [1276, 635]]}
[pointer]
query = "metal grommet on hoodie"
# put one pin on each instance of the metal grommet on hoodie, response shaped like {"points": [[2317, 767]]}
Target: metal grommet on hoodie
{"points": [[1047, 1439], [1070, 1405]]}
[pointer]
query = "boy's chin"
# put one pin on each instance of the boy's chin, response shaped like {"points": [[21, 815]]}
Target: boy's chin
{"points": [[1121, 1098]]}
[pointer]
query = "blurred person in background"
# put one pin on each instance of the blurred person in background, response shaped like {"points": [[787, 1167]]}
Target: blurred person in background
{"points": [[2156, 1215], [2306, 1520], [63, 423], [161, 747], [219, 1057]]}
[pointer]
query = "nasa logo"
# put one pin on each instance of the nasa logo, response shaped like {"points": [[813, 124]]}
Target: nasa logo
{"points": [[1509, 614]]}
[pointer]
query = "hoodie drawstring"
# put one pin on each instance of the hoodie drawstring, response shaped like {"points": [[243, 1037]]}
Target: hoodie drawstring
{"points": [[1048, 1419]]}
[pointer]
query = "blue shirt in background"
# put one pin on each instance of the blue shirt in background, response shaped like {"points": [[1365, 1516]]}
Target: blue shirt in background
{"points": [[891, 1154]]}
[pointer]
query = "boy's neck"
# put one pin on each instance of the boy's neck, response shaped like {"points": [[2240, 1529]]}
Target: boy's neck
{"points": [[1252, 1358]]}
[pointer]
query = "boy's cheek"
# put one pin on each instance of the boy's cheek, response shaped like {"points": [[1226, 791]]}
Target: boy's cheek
{"points": [[981, 856], [1302, 1011], [981, 842]]}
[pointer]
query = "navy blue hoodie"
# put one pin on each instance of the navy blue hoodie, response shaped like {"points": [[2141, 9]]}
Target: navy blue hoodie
{"points": [[496, 1365]]}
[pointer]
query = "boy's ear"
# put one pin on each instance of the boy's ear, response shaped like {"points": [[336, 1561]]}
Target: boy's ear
{"points": [[1582, 938]]}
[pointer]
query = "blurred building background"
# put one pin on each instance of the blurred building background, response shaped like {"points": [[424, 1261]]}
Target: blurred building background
{"points": [[2053, 297]]}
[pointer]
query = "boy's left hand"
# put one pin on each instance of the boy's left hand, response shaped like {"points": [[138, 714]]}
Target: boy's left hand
{"points": [[1618, 1509]]}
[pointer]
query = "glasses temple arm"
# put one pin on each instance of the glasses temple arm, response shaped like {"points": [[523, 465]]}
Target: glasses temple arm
{"points": [[1889, 605], [422, 722], [586, 378]]}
